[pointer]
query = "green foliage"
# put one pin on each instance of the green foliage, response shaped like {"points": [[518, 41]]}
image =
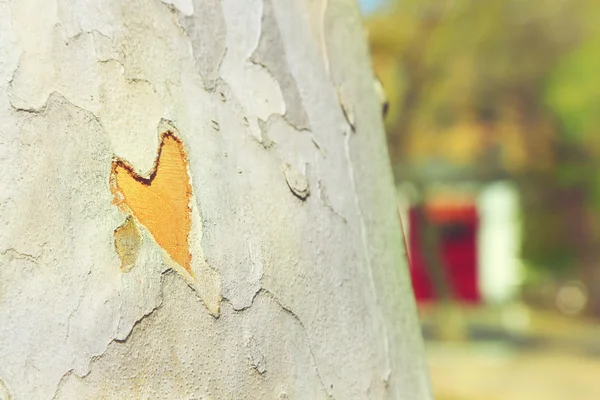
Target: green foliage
{"points": [[573, 91]]}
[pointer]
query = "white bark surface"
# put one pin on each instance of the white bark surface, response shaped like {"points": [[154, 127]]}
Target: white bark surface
{"points": [[293, 205]]}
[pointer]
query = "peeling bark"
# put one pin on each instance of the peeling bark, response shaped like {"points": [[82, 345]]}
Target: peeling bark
{"points": [[292, 280]]}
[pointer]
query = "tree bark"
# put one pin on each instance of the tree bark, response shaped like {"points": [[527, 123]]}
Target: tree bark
{"points": [[196, 202]]}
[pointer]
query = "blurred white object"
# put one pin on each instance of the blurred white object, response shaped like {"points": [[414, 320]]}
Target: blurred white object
{"points": [[499, 240]]}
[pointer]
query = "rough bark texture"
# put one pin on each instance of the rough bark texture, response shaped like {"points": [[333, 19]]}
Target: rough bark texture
{"points": [[298, 285]]}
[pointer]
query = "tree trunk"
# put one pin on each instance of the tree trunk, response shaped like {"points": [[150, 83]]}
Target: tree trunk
{"points": [[196, 202]]}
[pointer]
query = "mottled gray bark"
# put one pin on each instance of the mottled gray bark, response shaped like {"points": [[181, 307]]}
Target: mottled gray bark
{"points": [[297, 285]]}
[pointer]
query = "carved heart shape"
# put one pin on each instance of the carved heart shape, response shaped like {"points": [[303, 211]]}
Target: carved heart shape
{"points": [[161, 201]]}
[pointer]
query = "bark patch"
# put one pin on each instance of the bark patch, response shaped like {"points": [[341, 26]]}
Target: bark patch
{"points": [[127, 243], [270, 53], [207, 33]]}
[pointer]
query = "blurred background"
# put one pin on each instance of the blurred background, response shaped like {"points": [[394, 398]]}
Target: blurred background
{"points": [[494, 134]]}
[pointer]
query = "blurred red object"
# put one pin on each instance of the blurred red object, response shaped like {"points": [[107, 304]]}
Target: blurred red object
{"points": [[457, 225]]}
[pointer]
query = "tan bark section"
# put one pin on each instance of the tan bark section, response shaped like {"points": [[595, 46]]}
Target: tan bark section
{"points": [[127, 242]]}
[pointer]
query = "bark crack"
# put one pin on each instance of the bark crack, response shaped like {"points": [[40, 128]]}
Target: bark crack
{"points": [[115, 339], [14, 253], [73, 312], [295, 317], [51, 96], [325, 199], [76, 36]]}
